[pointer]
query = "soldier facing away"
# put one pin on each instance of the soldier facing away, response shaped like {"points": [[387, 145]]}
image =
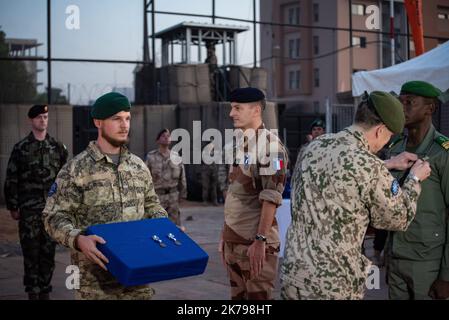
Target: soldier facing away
{"points": [[32, 168], [250, 238], [340, 186], [169, 176], [104, 183], [418, 259]]}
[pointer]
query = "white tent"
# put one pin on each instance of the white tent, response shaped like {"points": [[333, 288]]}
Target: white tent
{"points": [[432, 67]]}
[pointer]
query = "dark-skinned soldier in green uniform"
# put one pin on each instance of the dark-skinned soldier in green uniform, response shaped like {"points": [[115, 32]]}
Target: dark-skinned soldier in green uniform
{"points": [[418, 258]]}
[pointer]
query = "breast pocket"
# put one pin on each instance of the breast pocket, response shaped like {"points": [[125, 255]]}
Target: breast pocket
{"points": [[175, 170], [98, 193]]}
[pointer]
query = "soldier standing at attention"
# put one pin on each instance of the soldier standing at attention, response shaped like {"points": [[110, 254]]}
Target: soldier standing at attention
{"points": [[339, 187], [250, 238], [104, 183], [418, 258], [169, 176], [32, 168]]}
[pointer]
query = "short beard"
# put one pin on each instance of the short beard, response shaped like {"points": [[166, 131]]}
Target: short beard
{"points": [[113, 142]]}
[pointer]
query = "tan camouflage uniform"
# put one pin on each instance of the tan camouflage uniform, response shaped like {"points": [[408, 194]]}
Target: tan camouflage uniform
{"points": [[91, 189], [338, 188], [249, 186], [169, 182]]}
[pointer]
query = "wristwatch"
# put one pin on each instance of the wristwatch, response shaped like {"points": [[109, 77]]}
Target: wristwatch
{"points": [[261, 237], [413, 177]]}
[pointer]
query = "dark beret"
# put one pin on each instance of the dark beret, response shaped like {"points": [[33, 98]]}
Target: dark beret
{"points": [[36, 110], [246, 95], [420, 88], [390, 110], [318, 123], [109, 104]]}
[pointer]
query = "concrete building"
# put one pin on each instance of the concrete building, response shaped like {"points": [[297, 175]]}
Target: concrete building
{"points": [[25, 48], [307, 64]]}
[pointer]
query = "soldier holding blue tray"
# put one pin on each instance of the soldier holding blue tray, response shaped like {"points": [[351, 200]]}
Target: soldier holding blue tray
{"points": [[104, 183]]}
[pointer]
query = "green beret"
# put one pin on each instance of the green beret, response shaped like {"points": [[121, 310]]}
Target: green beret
{"points": [[318, 123], [390, 110], [420, 88], [109, 104]]}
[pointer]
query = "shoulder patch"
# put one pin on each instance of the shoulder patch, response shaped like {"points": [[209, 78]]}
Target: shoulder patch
{"points": [[53, 189], [443, 142], [395, 187]]}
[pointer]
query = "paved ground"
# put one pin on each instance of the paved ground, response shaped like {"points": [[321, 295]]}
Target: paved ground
{"points": [[204, 226]]}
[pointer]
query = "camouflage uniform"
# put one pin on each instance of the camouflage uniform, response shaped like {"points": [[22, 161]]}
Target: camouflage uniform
{"points": [[249, 185], [420, 255], [339, 187], [32, 169], [91, 189], [169, 182]]}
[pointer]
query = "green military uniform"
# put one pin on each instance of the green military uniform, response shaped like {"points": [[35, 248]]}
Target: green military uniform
{"points": [[250, 183], [420, 255], [92, 189], [32, 169], [169, 178]]}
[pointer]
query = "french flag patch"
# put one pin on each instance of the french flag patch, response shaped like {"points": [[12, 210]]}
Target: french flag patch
{"points": [[278, 164]]}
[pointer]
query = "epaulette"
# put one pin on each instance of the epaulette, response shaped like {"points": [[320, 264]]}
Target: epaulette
{"points": [[443, 142], [395, 141]]}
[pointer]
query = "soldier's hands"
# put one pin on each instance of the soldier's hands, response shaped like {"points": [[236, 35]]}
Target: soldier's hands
{"points": [[256, 254], [421, 169], [88, 246], [15, 214], [439, 289], [402, 161]]}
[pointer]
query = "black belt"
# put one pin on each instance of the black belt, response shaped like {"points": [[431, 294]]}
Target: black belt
{"points": [[166, 190]]}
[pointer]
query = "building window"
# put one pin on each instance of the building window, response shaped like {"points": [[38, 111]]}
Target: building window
{"points": [[359, 42], [316, 77], [316, 45], [293, 15], [358, 9], [443, 13], [293, 79], [293, 48], [316, 12]]}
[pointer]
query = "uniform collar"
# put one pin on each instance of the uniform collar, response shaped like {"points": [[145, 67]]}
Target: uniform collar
{"points": [[428, 139], [97, 155], [32, 138], [358, 134]]}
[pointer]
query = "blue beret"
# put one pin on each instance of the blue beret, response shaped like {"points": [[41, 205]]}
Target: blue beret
{"points": [[36, 110], [246, 95]]}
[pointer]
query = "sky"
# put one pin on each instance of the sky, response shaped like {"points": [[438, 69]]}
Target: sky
{"points": [[109, 29]]}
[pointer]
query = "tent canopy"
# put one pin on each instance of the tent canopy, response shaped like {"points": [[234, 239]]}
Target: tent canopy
{"points": [[432, 67]]}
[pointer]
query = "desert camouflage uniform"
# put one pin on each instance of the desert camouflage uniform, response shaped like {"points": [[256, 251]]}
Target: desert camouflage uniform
{"points": [[91, 189], [169, 181], [249, 186], [339, 187], [32, 169]]}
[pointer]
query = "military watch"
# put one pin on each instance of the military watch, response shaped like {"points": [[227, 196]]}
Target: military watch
{"points": [[261, 237], [413, 177]]}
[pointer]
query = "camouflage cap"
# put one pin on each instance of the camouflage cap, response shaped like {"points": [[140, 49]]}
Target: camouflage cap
{"points": [[109, 104], [420, 88], [389, 109]]}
